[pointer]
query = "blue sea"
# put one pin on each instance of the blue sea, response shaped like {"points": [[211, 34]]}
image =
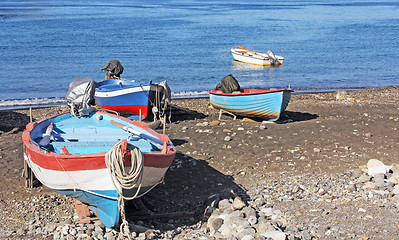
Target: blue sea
{"points": [[327, 44]]}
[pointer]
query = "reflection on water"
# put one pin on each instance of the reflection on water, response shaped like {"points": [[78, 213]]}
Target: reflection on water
{"points": [[240, 66]]}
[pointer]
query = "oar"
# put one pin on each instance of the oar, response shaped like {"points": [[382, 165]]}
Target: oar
{"points": [[138, 133]]}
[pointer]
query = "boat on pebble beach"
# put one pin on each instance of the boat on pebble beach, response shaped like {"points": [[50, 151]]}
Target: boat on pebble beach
{"points": [[129, 97], [100, 159], [255, 103]]}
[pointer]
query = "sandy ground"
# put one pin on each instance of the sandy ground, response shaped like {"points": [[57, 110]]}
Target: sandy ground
{"points": [[323, 133]]}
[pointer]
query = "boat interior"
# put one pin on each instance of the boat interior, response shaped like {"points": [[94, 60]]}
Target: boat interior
{"points": [[89, 135]]}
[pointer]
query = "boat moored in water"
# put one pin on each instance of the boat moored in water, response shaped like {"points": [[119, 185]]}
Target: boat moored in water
{"points": [[245, 55]]}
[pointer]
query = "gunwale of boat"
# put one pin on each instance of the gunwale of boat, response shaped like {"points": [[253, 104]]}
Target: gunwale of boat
{"points": [[33, 145], [248, 91]]}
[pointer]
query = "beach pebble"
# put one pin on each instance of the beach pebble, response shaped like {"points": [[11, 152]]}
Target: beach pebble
{"points": [[394, 178], [227, 139], [275, 235], [375, 166], [214, 123], [224, 204], [363, 178], [396, 190], [203, 124], [316, 150], [378, 180], [238, 204], [215, 226]]}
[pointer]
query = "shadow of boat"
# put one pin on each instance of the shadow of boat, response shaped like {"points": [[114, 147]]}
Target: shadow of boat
{"points": [[11, 121], [190, 186], [289, 116]]}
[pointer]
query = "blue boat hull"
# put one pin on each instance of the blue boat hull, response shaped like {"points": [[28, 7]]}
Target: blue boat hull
{"points": [[254, 103], [103, 203], [126, 97]]}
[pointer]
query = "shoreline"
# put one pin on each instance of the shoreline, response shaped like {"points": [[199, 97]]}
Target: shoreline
{"points": [[204, 95], [304, 170]]}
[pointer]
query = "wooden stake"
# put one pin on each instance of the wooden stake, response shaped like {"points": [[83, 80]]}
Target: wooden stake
{"points": [[30, 114]]}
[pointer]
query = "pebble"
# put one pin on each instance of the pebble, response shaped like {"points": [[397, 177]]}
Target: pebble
{"points": [[235, 217], [227, 139], [238, 204]]}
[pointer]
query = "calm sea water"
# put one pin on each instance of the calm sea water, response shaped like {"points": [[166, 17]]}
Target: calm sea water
{"points": [[327, 44]]}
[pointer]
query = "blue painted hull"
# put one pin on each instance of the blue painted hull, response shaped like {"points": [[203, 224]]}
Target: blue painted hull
{"points": [[255, 103], [103, 203], [126, 96]]}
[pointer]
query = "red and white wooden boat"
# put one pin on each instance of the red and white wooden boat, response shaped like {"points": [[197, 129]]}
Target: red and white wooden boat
{"points": [[85, 157]]}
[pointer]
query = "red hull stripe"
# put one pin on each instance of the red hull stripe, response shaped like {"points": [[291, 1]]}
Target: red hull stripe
{"points": [[133, 109], [62, 162]]}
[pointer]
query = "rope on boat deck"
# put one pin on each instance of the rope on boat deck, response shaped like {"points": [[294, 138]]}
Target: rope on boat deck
{"points": [[125, 180]]}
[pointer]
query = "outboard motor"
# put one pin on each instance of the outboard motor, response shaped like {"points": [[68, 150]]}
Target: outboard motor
{"points": [[80, 96], [272, 57], [113, 69]]}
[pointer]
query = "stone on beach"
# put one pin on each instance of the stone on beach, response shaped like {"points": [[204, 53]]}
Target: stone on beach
{"points": [[375, 166]]}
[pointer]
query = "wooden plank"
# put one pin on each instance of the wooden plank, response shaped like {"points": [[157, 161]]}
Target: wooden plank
{"points": [[83, 211]]}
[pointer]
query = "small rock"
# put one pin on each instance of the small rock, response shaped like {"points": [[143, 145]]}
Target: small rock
{"points": [[394, 178], [215, 226], [248, 120], [224, 204], [267, 211], [227, 230], [375, 166], [357, 173], [317, 150], [204, 124], [395, 167], [275, 235], [238, 204], [248, 237], [364, 178], [378, 180], [214, 123], [249, 212]]}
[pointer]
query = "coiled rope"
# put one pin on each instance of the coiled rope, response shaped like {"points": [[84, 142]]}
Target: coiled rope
{"points": [[125, 180]]}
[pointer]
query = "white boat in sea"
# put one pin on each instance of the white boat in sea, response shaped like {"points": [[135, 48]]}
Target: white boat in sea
{"points": [[245, 55]]}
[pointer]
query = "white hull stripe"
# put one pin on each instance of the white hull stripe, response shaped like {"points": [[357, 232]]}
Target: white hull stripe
{"points": [[89, 180]]}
